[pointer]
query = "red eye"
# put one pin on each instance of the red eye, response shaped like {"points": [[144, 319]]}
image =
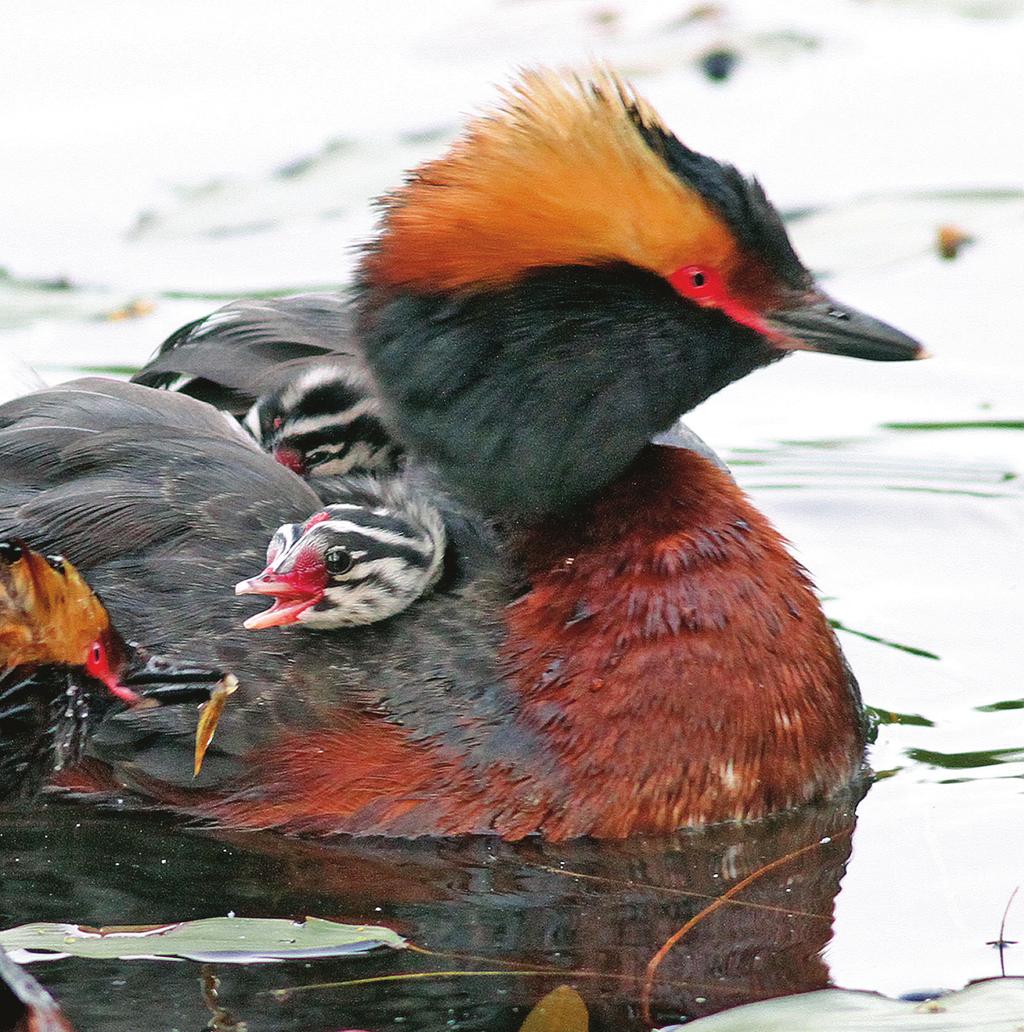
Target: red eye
{"points": [[96, 664], [705, 287], [700, 284], [277, 422]]}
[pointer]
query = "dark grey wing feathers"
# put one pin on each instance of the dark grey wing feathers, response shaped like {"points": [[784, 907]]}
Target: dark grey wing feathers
{"points": [[165, 506], [250, 347], [102, 470]]}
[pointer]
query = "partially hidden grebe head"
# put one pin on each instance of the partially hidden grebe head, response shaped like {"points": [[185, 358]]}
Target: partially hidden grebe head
{"points": [[50, 617], [566, 282], [62, 663], [324, 422], [355, 562]]}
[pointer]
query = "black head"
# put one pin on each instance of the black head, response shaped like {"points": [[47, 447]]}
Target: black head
{"points": [[567, 282]]}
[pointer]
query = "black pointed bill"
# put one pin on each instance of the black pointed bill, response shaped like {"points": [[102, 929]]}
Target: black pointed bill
{"points": [[832, 328], [169, 681]]}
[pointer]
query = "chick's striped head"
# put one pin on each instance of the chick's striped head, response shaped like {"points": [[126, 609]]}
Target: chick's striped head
{"points": [[355, 562], [325, 422]]}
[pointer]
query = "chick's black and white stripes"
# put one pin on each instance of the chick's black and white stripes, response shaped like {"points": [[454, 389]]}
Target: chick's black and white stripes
{"points": [[381, 546], [325, 422]]}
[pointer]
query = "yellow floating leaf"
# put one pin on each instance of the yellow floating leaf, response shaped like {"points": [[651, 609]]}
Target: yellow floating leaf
{"points": [[562, 1010]]}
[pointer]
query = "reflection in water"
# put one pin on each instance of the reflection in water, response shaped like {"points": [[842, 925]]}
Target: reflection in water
{"points": [[514, 921]]}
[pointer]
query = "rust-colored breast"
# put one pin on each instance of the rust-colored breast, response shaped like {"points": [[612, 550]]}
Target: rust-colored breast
{"points": [[678, 658]]}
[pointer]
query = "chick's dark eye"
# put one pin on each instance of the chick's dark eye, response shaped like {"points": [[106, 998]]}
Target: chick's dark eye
{"points": [[97, 653], [338, 559], [698, 279]]}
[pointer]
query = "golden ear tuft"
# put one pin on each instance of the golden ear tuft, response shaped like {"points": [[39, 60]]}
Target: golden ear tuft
{"points": [[558, 174], [48, 614]]}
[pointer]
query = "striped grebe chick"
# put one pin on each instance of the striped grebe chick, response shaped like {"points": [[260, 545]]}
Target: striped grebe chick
{"points": [[364, 558], [325, 421], [292, 372]]}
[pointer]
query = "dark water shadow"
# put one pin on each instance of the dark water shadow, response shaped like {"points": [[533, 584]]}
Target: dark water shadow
{"points": [[518, 920]]}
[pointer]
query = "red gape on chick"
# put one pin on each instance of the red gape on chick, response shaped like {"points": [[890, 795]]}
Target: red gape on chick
{"points": [[619, 642]]}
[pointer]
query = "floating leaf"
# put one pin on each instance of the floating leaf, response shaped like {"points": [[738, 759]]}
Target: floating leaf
{"points": [[996, 1005], [999, 707], [966, 760], [950, 240], [232, 295], [134, 309], [960, 424], [562, 1010], [228, 940], [912, 649]]}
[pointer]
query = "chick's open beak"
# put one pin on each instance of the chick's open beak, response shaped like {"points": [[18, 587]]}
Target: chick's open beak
{"points": [[824, 325], [292, 595]]}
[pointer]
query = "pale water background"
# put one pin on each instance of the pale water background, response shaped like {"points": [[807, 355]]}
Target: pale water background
{"points": [[155, 159]]}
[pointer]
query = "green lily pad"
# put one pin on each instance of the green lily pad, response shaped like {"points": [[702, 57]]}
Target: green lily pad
{"points": [[227, 940], [996, 1005]]}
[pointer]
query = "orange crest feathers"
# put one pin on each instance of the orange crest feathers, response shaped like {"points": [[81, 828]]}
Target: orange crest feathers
{"points": [[560, 174], [48, 614]]}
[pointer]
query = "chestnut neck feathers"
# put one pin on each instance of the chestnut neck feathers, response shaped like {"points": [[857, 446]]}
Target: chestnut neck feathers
{"points": [[522, 309], [689, 639]]}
